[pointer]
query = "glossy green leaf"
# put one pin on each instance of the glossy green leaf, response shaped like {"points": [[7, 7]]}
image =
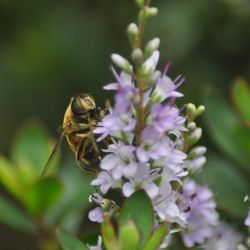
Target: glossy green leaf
{"points": [[138, 208], [70, 207], [10, 179], [43, 195], [157, 238], [69, 241], [241, 98], [15, 217], [31, 146], [129, 237], [224, 127], [108, 234], [228, 184]]}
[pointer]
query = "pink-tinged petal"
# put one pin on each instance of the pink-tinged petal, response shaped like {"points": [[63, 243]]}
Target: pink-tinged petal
{"points": [[152, 190], [111, 86], [129, 171], [141, 155], [128, 189], [151, 62], [97, 182], [96, 215], [125, 78], [247, 220], [117, 173], [104, 188], [109, 162], [188, 241]]}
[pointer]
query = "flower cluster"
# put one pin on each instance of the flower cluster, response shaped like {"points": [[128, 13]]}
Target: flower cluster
{"points": [[152, 143], [151, 148]]}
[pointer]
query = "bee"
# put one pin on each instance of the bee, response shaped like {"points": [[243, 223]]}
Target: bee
{"points": [[80, 119]]}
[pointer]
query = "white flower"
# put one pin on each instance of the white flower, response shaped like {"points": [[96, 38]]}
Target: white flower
{"points": [[143, 179]]}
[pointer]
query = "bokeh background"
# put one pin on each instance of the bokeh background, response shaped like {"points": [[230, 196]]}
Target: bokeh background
{"points": [[51, 50]]}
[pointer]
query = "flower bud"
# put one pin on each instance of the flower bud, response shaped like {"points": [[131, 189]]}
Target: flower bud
{"points": [[197, 151], [191, 110], [195, 136], [122, 63], [152, 46], [191, 126], [151, 11], [106, 203], [133, 32], [200, 110], [137, 55], [140, 3]]}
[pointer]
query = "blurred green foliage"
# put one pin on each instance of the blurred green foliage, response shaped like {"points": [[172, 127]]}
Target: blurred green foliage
{"points": [[43, 204], [51, 50]]}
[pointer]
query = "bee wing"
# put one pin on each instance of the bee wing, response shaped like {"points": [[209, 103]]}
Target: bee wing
{"points": [[52, 155]]}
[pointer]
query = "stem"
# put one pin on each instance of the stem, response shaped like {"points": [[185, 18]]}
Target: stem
{"points": [[140, 112], [137, 76], [141, 25]]}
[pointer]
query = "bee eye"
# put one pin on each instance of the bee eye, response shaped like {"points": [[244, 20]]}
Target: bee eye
{"points": [[77, 107]]}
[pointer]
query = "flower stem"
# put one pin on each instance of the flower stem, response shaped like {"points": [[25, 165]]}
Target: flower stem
{"points": [[140, 82]]}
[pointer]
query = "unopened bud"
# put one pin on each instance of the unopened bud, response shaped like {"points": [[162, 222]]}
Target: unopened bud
{"points": [[191, 126], [191, 110], [195, 136], [122, 63], [137, 55], [133, 32], [197, 151], [151, 11], [152, 46], [105, 204], [140, 3], [200, 110]]}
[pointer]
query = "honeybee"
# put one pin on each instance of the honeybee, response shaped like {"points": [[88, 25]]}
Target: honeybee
{"points": [[80, 119]]}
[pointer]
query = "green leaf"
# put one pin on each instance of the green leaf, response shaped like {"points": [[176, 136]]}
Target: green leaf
{"points": [[241, 98], [14, 217], [129, 236], [157, 238], [43, 195], [69, 241], [138, 208], [224, 128], [108, 234], [70, 207], [228, 185], [10, 179], [31, 146]]}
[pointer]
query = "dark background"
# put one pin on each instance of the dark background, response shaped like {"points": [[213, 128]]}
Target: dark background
{"points": [[51, 50]]}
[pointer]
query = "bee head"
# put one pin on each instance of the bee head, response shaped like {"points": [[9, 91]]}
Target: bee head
{"points": [[82, 103]]}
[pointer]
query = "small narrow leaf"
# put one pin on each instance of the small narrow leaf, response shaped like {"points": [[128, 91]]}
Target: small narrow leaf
{"points": [[108, 234], [225, 129], [31, 146], [157, 238], [241, 98], [10, 179], [138, 208], [15, 217], [69, 241], [42, 195], [129, 236]]}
